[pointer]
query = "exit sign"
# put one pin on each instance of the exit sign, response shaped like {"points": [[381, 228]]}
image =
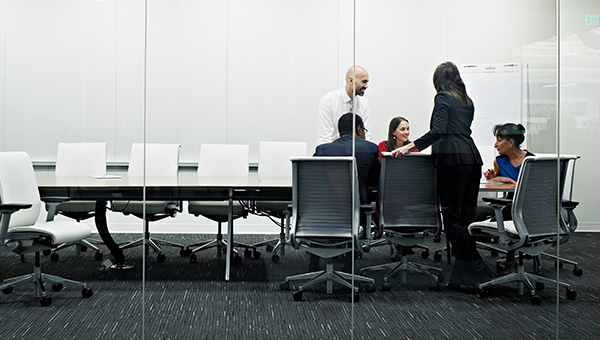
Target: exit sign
{"points": [[591, 20]]}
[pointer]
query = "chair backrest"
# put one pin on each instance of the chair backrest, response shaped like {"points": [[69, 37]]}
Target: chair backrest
{"points": [[568, 174], [324, 203], [274, 158], [406, 194], [223, 160], [80, 159], [161, 159], [18, 185], [537, 197]]}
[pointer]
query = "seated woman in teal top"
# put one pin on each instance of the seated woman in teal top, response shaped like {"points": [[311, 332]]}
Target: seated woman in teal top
{"points": [[507, 164]]}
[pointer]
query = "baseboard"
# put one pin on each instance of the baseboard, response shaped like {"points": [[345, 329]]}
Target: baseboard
{"points": [[588, 227]]}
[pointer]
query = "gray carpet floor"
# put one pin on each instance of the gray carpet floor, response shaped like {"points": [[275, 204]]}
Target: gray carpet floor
{"points": [[176, 299]]}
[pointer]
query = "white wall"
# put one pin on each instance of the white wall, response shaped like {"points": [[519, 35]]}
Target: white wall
{"points": [[242, 71]]}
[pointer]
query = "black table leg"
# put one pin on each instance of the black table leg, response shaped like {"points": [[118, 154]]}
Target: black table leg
{"points": [[102, 227]]}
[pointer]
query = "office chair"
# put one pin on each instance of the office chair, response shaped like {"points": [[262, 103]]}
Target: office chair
{"points": [[570, 222], [535, 225], [161, 160], [326, 217], [220, 160], [77, 159], [408, 209], [19, 231], [274, 165]]}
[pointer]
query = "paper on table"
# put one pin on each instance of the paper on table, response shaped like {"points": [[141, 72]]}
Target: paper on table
{"points": [[106, 177]]}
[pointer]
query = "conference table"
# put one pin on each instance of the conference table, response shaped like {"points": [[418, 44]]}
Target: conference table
{"points": [[177, 188]]}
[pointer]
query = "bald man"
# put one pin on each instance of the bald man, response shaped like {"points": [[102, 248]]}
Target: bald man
{"points": [[334, 104]]}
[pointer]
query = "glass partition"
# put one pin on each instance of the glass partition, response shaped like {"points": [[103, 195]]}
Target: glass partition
{"points": [[242, 72]]}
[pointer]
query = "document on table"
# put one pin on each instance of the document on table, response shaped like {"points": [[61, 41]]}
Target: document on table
{"points": [[106, 177]]}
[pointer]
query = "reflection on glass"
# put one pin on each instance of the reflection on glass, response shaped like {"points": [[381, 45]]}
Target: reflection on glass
{"points": [[242, 72]]}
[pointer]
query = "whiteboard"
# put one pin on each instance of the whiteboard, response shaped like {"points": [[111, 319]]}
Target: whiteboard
{"points": [[496, 91]]}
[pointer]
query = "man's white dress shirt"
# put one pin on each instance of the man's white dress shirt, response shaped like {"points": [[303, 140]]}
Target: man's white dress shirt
{"points": [[333, 105]]}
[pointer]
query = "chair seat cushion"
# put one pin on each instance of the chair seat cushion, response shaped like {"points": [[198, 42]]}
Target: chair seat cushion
{"points": [[213, 209], [58, 231], [273, 207], [489, 227], [77, 206], [136, 207]]}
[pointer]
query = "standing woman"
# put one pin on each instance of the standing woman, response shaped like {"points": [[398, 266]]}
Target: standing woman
{"points": [[458, 167], [398, 133]]}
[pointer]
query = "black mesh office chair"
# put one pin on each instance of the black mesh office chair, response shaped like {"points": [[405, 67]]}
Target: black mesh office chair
{"points": [[535, 225], [408, 210], [326, 218]]}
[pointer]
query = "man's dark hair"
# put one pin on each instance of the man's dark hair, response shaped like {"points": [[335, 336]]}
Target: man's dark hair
{"points": [[345, 124]]}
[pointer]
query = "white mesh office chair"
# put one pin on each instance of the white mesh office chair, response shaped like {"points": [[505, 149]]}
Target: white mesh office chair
{"points": [[535, 225], [326, 218], [20, 207], [408, 210], [77, 159], [220, 160], [162, 160], [274, 164]]}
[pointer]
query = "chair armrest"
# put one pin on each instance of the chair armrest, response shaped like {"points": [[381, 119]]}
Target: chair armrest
{"points": [[10, 208], [53, 202], [7, 210], [55, 199], [498, 204], [569, 205], [288, 214], [497, 201]]}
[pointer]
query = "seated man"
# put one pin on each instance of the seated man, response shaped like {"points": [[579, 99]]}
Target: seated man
{"points": [[367, 164]]}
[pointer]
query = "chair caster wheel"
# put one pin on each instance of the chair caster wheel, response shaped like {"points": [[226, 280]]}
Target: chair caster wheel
{"points": [[275, 258], [577, 271], [269, 248], [297, 296], [98, 256], [483, 293], [185, 252], [354, 296], [424, 254], [558, 264], [86, 293], [161, 257], [366, 249], [57, 287], [83, 248], [539, 286], [435, 286], [193, 258], [536, 300], [45, 301], [284, 286], [237, 259], [247, 253], [370, 288], [46, 252], [7, 290], [571, 293], [437, 257], [54, 257], [386, 286], [256, 254]]}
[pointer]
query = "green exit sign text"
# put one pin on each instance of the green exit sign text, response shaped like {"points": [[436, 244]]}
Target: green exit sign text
{"points": [[590, 20]]}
